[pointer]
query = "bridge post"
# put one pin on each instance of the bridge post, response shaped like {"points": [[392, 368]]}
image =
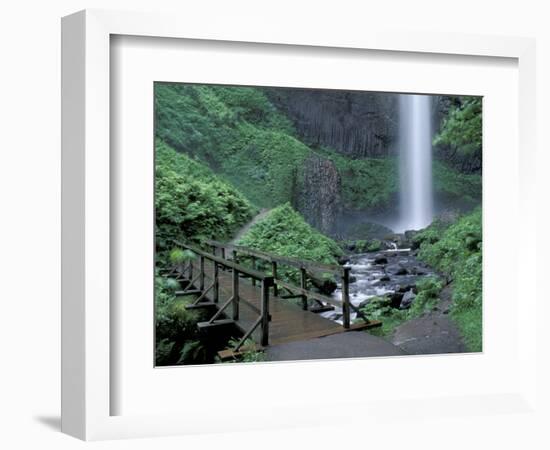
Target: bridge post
{"points": [[236, 299], [253, 268], [274, 273], [190, 270], [265, 312], [216, 293], [345, 297], [201, 275], [303, 285]]}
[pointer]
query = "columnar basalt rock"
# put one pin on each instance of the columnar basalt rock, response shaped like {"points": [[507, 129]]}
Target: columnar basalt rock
{"points": [[356, 124], [320, 201]]}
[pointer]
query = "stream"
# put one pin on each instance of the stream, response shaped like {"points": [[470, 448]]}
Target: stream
{"points": [[380, 273]]}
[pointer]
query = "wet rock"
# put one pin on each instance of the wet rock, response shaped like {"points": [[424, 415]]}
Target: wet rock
{"points": [[407, 299], [325, 286], [396, 299], [343, 260], [397, 269], [380, 260], [407, 287], [417, 271], [409, 234], [385, 278]]}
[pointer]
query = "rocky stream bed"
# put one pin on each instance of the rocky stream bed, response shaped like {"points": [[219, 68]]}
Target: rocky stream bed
{"points": [[393, 273]]}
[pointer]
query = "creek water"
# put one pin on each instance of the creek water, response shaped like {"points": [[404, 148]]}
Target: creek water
{"points": [[400, 273]]}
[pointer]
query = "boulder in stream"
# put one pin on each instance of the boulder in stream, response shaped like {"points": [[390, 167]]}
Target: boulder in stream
{"points": [[379, 259], [407, 299], [397, 269]]}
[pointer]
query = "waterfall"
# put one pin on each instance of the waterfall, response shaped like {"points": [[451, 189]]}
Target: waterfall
{"points": [[415, 155]]}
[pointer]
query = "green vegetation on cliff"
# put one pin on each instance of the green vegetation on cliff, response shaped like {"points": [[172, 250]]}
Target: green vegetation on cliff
{"points": [[462, 129], [248, 142], [455, 186], [237, 132]]}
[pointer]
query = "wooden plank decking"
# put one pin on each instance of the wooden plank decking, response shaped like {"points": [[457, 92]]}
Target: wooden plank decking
{"points": [[289, 322]]}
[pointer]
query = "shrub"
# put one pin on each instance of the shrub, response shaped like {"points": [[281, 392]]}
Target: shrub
{"points": [[192, 204], [455, 245], [428, 294], [175, 326], [285, 232]]}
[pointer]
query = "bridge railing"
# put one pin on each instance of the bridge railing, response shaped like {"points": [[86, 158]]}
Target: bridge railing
{"points": [[264, 280], [307, 270]]}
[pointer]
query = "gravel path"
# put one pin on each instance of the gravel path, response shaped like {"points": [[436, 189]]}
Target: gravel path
{"points": [[431, 333], [352, 344], [245, 228]]}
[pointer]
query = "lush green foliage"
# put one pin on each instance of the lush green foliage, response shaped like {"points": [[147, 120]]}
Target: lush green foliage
{"points": [[462, 127], [265, 165], [459, 241], [456, 186], [428, 295], [379, 308], [191, 203], [175, 326], [458, 254], [361, 245], [368, 183], [284, 232], [237, 132]]}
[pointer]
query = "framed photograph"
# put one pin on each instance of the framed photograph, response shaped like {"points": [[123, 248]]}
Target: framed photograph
{"points": [[265, 216]]}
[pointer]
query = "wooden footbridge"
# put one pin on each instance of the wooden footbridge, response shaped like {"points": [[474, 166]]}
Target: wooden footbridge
{"points": [[242, 287]]}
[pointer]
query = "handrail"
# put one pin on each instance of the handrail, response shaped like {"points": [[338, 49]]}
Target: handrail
{"points": [[310, 294], [260, 276], [266, 281], [271, 257], [302, 291]]}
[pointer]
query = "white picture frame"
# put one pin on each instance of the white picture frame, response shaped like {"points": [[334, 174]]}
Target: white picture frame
{"points": [[87, 387]]}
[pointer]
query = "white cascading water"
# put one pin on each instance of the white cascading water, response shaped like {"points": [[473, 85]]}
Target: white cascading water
{"points": [[415, 143]]}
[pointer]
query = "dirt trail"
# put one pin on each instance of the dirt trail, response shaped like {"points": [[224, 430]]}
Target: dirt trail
{"points": [[432, 333], [246, 227]]}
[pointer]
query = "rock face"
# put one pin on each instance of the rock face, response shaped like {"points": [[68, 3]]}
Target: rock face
{"points": [[319, 200], [357, 124], [360, 124]]}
